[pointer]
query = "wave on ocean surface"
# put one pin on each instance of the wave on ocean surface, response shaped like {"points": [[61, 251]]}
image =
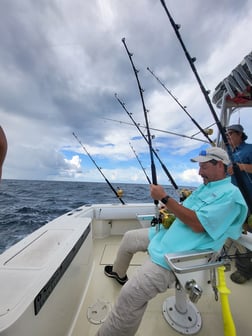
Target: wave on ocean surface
{"points": [[27, 205]]}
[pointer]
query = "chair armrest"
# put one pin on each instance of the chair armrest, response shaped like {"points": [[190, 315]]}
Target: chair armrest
{"points": [[192, 261]]}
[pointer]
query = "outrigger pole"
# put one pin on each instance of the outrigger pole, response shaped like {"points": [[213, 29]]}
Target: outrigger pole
{"points": [[153, 150], [183, 108], [110, 185], [148, 179], [241, 184], [158, 130]]}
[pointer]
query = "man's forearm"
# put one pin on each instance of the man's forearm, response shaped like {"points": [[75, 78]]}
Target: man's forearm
{"points": [[186, 215]]}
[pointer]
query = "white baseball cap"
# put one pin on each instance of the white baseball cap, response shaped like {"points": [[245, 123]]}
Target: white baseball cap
{"points": [[212, 153]]}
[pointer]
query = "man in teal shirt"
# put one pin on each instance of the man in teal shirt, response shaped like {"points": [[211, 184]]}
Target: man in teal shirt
{"points": [[207, 203], [211, 214]]}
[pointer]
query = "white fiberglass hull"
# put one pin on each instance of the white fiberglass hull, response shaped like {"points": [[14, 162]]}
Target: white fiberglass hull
{"points": [[44, 277]]}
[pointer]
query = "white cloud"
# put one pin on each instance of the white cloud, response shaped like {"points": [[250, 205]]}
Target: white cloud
{"points": [[62, 62], [190, 177]]}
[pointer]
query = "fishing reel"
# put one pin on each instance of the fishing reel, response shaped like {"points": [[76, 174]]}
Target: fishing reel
{"points": [[166, 218], [184, 193], [208, 131], [119, 192]]}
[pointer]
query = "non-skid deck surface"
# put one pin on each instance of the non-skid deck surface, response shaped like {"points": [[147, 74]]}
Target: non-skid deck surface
{"points": [[153, 324], [109, 253]]}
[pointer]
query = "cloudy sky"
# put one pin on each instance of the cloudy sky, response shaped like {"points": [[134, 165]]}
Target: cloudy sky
{"points": [[62, 61]]}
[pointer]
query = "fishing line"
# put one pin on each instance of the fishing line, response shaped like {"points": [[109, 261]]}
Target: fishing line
{"points": [[158, 130], [148, 179], [245, 255], [153, 150], [183, 108], [237, 172], [206, 130], [118, 194]]}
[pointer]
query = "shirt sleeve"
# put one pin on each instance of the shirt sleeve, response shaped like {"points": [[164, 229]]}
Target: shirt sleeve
{"points": [[221, 216]]}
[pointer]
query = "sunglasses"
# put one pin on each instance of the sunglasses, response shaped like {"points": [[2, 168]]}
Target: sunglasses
{"points": [[230, 133]]}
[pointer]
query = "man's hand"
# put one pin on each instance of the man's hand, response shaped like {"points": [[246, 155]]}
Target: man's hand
{"points": [[157, 192], [242, 167]]}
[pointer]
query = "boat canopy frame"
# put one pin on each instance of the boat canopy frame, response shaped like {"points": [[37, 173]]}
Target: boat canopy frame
{"points": [[234, 92]]}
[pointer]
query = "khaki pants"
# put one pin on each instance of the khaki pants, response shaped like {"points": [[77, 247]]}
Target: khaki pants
{"points": [[149, 280]]}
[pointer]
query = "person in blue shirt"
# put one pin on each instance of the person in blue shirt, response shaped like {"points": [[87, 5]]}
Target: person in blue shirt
{"points": [[242, 155], [212, 213]]}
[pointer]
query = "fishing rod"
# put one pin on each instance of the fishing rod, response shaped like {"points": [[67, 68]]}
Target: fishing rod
{"points": [[183, 108], [153, 168], [153, 150], [158, 130], [165, 217], [208, 130], [148, 179], [237, 172], [117, 193]]}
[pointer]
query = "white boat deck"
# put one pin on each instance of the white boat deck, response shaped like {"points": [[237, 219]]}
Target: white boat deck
{"points": [[45, 277], [106, 289]]}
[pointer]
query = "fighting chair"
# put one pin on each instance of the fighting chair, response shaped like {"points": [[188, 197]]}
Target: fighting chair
{"points": [[195, 273]]}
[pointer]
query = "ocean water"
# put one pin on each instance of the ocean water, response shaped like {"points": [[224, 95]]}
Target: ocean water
{"points": [[27, 205]]}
